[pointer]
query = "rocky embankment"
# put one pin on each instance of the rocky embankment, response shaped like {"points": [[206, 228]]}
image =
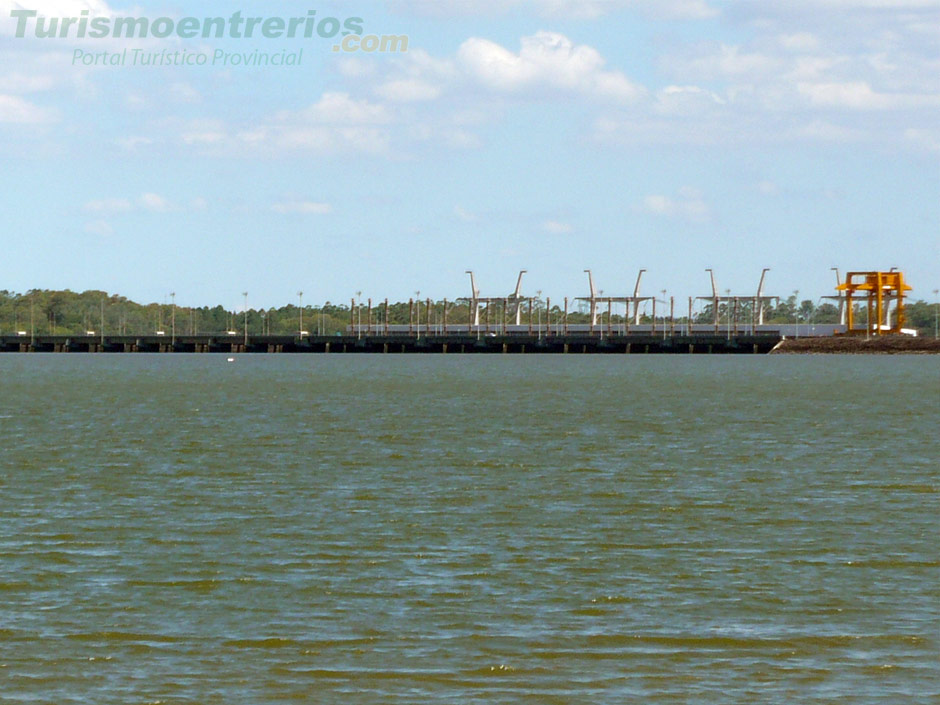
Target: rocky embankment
{"points": [[884, 345]]}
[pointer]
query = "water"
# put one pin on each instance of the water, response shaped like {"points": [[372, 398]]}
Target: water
{"points": [[469, 529]]}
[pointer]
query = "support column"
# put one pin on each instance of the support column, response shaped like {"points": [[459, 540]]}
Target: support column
{"points": [[879, 305], [548, 317]]}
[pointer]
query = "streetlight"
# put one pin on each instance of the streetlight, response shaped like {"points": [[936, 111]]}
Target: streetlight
{"points": [[418, 314], [715, 306], [936, 315], [796, 311], [300, 296], [245, 294], [841, 301], [359, 315], [172, 318], [538, 308]]}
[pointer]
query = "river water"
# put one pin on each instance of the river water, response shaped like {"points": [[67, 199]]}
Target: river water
{"points": [[469, 529]]}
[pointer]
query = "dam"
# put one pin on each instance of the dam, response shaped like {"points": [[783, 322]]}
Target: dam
{"points": [[577, 339]]}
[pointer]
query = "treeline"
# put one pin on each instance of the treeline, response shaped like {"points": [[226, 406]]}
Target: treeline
{"points": [[72, 313]]}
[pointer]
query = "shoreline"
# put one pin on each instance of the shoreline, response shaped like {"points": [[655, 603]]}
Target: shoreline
{"points": [[881, 345]]}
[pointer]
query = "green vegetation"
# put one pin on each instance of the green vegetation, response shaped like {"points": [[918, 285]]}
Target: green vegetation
{"points": [[71, 313]]}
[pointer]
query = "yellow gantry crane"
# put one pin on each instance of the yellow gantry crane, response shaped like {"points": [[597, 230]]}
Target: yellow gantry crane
{"points": [[879, 289]]}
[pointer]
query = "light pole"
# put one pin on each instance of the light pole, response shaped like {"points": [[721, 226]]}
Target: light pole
{"points": [[245, 294], [538, 308], [715, 302], [300, 296], [796, 310], [172, 318], [417, 314], [936, 315], [664, 313], [358, 315]]}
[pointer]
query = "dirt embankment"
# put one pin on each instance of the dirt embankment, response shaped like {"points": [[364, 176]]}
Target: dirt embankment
{"points": [[884, 345]]}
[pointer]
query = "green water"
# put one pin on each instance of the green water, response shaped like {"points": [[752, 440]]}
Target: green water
{"points": [[469, 529]]}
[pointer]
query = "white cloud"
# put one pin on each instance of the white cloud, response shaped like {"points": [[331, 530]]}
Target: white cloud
{"points": [[688, 204], [202, 131], [546, 62], [464, 215], [341, 109], [132, 142], [555, 9], [858, 95], [302, 208], [784, 83], [799, 42], [183, 92], [686, 100], [708, 62], [99, 227], [207, 137], [17, 110], [809, 71], [109, 206], [19, 82], [825, 131], [556, 227], [446, 129], [136, 101], [154, 202], [677, 9], [408, 90], [337, 123], [355, 67], [927, 140], [150, 202]]}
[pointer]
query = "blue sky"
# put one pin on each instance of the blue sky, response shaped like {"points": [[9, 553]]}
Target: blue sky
{"points": [[546, 135]]}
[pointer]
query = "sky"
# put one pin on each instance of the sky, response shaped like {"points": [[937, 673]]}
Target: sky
{"points": [[547, 135]]}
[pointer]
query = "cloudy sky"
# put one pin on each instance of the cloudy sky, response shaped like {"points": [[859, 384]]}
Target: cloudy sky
{"points": [[546, 135]]}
